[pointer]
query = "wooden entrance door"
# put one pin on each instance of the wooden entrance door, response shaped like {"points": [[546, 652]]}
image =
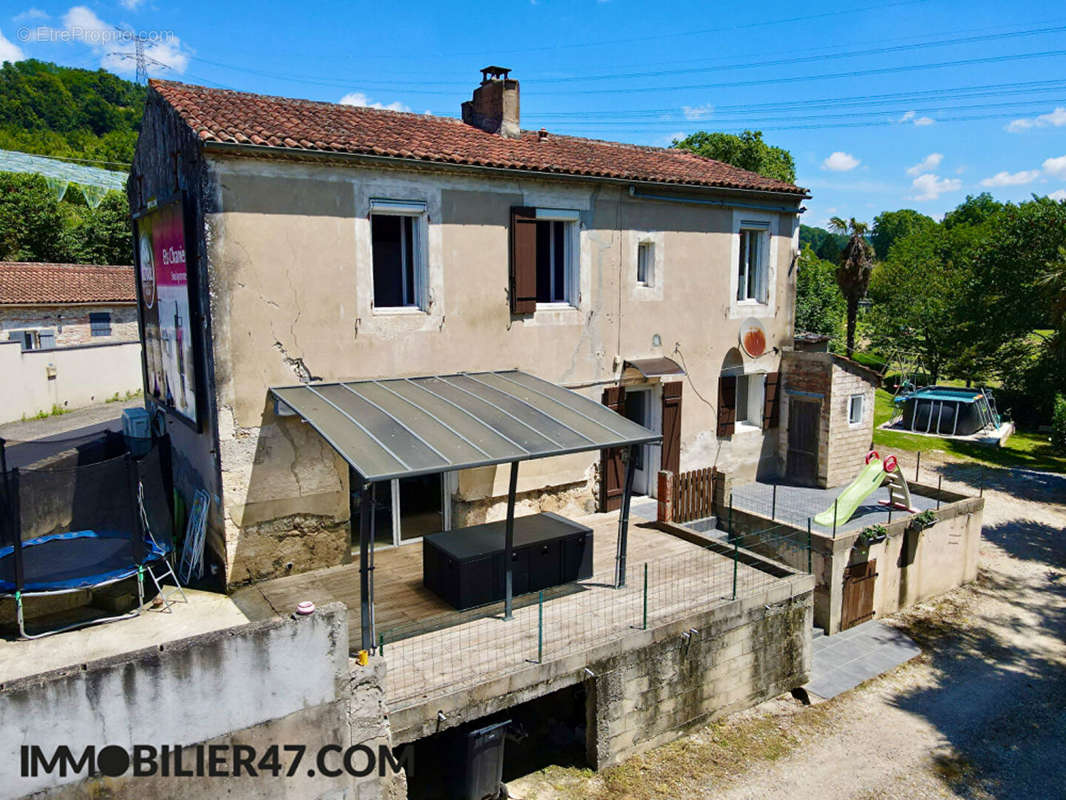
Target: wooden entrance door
{"points": [[858, 604], [804, 418]]}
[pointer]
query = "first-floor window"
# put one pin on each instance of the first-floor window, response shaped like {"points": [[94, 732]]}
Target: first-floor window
{"points": [[100, 323], [855, 409], [752, 267], [399, 267], [553, 261], [544, 258]]}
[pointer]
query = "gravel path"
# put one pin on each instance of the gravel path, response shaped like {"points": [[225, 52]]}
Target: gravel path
{"points": [[981, 713]]}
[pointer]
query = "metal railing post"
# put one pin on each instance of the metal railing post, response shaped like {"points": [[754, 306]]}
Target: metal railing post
{"points": [[810, 565], [939, 484], [736, 559], [731, 515], [835, 503], [540, 627], [381, 644], [644, 624], [917, 466], [773, 503]]}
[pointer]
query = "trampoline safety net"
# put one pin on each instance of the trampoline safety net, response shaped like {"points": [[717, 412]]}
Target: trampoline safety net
{"points": [[70, 527]]}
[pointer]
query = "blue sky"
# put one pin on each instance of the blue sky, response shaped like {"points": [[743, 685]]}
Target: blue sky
{"points": [[897, 104]]}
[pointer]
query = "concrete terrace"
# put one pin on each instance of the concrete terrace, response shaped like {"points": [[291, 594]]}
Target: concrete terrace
{"points": [[796, 504], [205, 612], [432, 649]]}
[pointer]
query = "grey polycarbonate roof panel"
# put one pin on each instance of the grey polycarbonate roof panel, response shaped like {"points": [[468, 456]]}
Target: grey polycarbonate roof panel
{"points": [[392, 428]]}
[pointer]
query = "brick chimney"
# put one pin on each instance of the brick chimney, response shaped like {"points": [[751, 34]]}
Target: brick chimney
{"points": [[494, 107]]}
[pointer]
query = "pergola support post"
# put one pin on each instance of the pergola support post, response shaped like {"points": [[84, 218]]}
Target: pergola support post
{"points": [[630, 457], [508, 545], [366, 567]]}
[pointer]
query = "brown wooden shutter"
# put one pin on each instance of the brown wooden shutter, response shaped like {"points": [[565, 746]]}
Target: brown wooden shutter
{"points": [[612, 470], [523, 260], [671, 450], [770, 403], [727, 404]]}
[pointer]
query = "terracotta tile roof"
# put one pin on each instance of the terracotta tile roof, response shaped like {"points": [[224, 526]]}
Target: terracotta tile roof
{"points": [[220, 115], [26, 283]]}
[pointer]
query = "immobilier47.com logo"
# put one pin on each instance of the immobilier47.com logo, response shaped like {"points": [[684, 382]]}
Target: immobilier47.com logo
{"points": [[215, 761]]}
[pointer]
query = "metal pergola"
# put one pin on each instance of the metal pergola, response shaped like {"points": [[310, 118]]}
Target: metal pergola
{"points": [[405, 427]]}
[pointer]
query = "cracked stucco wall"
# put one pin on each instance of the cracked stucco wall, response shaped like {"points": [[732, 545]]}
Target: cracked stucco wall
{"points": [[290, 275]]}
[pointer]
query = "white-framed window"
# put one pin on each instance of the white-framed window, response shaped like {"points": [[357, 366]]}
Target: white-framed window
{"points": [[557, 279], [753, 263], [751, 390], [645, 263], [855, 409], [400, 275]]}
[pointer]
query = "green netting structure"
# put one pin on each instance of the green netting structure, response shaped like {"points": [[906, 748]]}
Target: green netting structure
{"points": [[93, 182]]}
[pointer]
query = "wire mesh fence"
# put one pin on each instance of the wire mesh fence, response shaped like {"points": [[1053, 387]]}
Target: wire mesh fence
{"points": [[458, 650]]}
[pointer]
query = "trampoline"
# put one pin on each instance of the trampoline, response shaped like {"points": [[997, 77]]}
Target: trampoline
{"points": [[83, 526]]}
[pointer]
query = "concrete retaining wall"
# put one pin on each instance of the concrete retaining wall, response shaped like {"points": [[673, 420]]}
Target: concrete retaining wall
{"points": [[65, 377], [910, 567], [649, 687], [276, 682]]}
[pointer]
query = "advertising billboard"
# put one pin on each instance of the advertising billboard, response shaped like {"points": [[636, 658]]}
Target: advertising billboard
{"points": [[166, 310]]}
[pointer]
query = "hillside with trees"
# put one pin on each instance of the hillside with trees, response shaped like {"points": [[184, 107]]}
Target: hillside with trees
{"points": [[91, 116]]}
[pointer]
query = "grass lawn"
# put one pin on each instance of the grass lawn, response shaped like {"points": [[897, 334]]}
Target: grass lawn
{"points": [[1026, 449]]}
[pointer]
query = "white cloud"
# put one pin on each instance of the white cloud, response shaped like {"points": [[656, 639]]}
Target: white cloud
{"points": [[116, 48], [360, 99], [1055, 166], [697, 112], [930, 186], [927, 164], [28, 14], [840, 162], [1054, 119], [1059, 195], [9, 51], [912, 116], [132, 5], [1012, 179]]}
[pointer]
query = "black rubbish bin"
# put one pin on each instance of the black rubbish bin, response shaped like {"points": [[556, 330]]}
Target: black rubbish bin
{"points": [[484, 763]]}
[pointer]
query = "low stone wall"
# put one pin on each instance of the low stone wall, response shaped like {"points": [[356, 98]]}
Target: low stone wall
{"points": [[649, 687], [911, 567], [37, 381], [277, 682]]}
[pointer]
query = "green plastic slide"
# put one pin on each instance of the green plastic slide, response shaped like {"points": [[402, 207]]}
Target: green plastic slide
{"points": [[872, 476]]}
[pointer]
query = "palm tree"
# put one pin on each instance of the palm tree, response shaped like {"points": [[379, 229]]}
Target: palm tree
{"points": [[853, 274]]}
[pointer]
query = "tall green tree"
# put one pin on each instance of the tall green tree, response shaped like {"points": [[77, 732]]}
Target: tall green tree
{"points": [[747, 151], [853, 273], [819, 304], [891, 226]]}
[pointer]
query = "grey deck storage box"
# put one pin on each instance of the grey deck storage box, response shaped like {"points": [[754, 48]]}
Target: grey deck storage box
{"points": [[466, 567]]}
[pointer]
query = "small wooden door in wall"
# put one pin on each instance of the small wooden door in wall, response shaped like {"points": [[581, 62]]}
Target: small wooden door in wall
{"points": [[858, 602], [612, 469]]}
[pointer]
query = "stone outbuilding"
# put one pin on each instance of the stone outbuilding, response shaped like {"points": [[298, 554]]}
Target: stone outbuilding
{"points": [[827, 414], [61, 305]]}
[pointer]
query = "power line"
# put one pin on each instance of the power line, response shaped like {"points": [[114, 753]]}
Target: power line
{"points": [[829, 76], [985, 90], [812, 58]]}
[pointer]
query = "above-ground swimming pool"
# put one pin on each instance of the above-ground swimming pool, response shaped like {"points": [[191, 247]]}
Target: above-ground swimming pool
{"points": [[948, 411]]}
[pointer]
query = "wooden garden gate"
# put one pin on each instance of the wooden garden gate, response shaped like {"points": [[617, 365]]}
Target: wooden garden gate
{"points": [[859, 580]]}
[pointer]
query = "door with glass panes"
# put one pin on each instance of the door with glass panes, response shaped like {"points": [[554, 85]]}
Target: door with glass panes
{"points": [[405, 509]]}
